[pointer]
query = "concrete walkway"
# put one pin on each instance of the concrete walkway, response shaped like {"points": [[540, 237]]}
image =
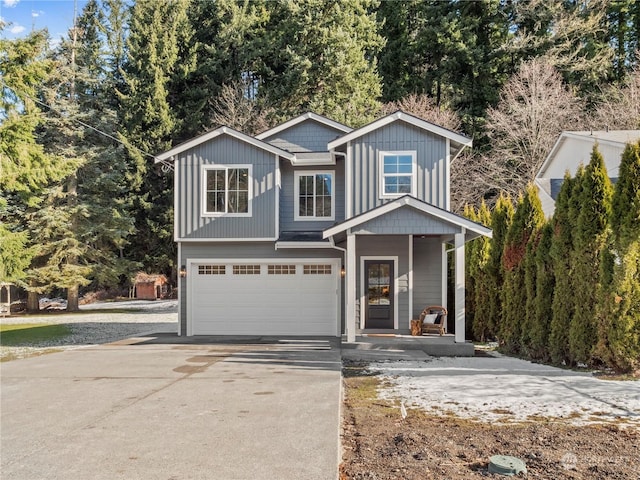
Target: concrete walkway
{"points": [[166, 408]]}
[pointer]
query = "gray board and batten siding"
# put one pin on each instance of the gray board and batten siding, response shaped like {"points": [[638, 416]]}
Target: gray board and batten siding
{"points": [[427, 273], [287, 197], [307, 136], [431, 152], [406, 221], [225, 150], [246, 252]]}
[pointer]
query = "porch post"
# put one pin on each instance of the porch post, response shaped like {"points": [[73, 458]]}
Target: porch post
{"points": [[459, 296], [350, 312]]}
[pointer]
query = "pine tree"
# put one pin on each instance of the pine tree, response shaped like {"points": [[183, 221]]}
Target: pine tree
{"points": [[527, 220], [501, 218], [158, 31], [26, 170], [323, 59], [87, 222], [561, 253], [589, 242]]}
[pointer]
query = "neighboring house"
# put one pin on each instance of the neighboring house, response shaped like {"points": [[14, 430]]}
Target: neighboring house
{"points": [[313, 228], [573, 149]]}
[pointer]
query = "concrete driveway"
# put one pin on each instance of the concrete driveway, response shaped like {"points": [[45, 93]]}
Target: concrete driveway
{"points": [[168, 408]]}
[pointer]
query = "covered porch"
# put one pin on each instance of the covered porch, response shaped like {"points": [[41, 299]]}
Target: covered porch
{"points": [[396, 263]]}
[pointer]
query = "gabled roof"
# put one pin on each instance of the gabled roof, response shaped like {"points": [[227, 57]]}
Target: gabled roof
{"points": [[407, 118], [613, 137], [194, 142], [407, 200], [303, 118]]}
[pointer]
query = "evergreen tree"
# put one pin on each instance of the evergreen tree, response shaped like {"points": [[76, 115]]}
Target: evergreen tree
{"points": [[323, 58], [158, 31], [545, 283], [87, 223], [26, 170], [231, 47], [561, 253], [501, 218], [470, 277], [527, 220], [530, 280], [589, 242], [479, 270], [619, 313], [625, 204]]}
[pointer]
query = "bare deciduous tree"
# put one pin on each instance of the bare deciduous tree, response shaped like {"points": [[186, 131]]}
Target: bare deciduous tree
{"points": [[534, 108], [620, 107], [426, 108], [234, 108]]}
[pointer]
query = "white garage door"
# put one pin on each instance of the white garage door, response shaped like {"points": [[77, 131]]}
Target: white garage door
{"points": [[281, 297]]}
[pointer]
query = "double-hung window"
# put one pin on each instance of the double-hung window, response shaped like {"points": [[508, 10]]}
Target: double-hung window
{"points": [[314, 196], [227, 190], [398, 173]]}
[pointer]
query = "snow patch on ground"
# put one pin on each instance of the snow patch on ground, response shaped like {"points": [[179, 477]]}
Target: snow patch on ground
{"points": [[507, 390], [98, 323]]}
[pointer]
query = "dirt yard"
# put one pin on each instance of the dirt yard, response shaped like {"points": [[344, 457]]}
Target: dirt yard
{"points": [[379, 444]]}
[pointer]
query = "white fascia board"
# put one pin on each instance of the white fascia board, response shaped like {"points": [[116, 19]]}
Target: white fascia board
{"points": [[400, 115], [418, 205], [223, 131], [302, 118], [302, 245], [314, 158], [551, 155]]}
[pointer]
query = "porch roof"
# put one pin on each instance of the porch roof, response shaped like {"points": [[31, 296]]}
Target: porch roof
{"points": [[430, 213]]}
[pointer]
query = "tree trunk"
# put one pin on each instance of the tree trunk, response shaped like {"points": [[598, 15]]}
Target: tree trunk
{"points": [[33, 303], [72, 299]]}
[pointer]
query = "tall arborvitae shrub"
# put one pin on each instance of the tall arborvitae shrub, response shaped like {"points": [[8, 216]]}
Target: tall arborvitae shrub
{"points": [[481, 278], [545, 283], [619, 332], [501, 218], [589, 243], [526, 221], [561, 253], [470, 277], [530, 274]]}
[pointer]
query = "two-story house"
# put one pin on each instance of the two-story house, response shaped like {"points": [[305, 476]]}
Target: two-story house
{"points": [[314, 228]]}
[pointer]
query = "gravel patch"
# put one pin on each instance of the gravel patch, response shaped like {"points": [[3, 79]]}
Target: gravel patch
{"points": [[96, 324]]}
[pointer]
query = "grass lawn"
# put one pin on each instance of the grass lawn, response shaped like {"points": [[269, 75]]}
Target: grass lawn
{"points": [[30, 334]]}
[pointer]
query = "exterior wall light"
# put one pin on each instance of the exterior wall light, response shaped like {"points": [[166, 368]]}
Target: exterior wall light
{"points": [[342, 271], [183, 271]]}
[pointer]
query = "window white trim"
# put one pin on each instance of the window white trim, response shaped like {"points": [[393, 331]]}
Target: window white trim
{"points": [[203, 192], [382, 175], [296, 188]]}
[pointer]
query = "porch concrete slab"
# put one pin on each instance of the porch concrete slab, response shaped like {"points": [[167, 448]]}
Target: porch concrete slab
{"points": [[436, 346], [154, 408]]}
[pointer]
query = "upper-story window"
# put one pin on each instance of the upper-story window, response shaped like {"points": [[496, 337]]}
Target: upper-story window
{"points": [[227, 190], [314, 196], [398, 173]]}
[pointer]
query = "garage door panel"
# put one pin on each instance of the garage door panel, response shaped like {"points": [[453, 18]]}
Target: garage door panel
{"points": [[265, 304]]}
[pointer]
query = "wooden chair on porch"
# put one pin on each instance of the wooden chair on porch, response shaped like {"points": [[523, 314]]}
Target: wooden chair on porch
{"points": [[434, 319]]}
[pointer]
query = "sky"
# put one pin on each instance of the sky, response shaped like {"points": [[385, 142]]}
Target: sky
{"points": [[21, 16]]}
